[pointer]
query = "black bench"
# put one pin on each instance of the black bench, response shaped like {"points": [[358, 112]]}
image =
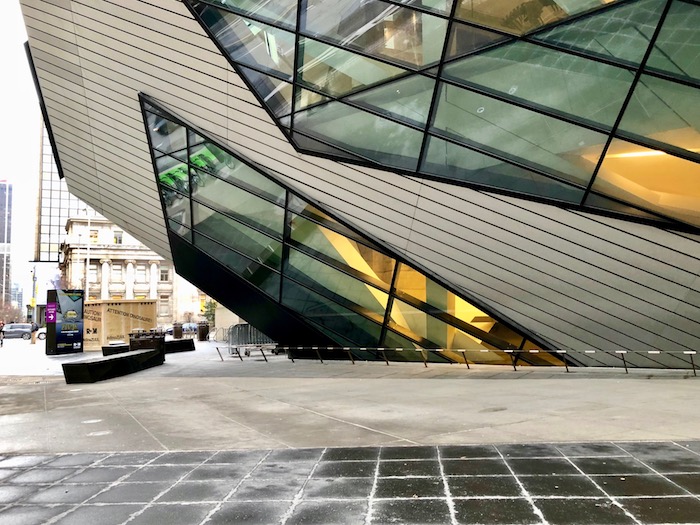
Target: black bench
{"points": [[179, 345], [101, 368], [115, 349]]}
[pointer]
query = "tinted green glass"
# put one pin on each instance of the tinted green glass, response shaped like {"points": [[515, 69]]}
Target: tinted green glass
{"points": [[347, 253], [369, 136], [323, 311], [407, 99], [527, 137], [622, 32], [338, 72], [664, 111], [252, 271], [309, 144], [180, 230], [249, 42], [379, 28], [334, 284], [173, 173], [677, 48], [521, 16], [465, 39], [227, 167], [544, 78], [451, 161], [177, 206], [594, 200], [241, 238], [166, 135], [275, 94], [277, 12], [237, 203]]}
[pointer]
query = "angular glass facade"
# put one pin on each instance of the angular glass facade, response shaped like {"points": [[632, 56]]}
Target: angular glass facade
{"points": [[591, 103], [308, 263]]}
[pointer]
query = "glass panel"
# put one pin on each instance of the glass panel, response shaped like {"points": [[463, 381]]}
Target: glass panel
{"points": [[305, 143], [173, 173], [467, 39], [177, 206], [180, 230], [306, 98], [252, 271], [435, 332], [665, 111], [525, 136], [277, 12], [521, 16], [594, 200], [439, 6], [379, 28], [340, 287], [677, 48], [275, 94], [330, 315], [338, 72], [348, 253], [451, 161], [551, 79], [229, 168], [652, 180], [166, 135], [622, 32], [369, 136], [250, 42], [407, 99], [238, 203], [236, 235]]}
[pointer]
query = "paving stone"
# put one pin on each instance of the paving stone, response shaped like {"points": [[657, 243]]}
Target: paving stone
{"points": [[537, 450], [329, 513], [160, 473], [409, 468], [560, 486], [42, 475], [684, 510], [582, 512], [351, 454], [182, 458], [100, 474], [493, 512], [65, 493], [23, 461], [130, 459], [250, 513], [611, 466], [295, 469], [410, 511], [100, 515], [281, 488], [173, 514], [690, 482], [338, 488], [75, 460], [590, 449], [303, 454], [196, 491], [220, 472], [131, 493], [13, 493], [638, 485], [8, 473], [408, 453], [547, 466], [410, 488], [238, 457], [474, 467], [471, 451], [478, 486], [345, 469], [30, 515]]}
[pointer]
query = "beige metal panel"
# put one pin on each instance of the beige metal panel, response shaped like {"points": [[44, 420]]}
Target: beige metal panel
{"points": [[60, 9]]}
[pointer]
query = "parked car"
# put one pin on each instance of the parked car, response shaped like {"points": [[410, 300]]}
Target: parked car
{"points": [[17, 330], [41, 334]]}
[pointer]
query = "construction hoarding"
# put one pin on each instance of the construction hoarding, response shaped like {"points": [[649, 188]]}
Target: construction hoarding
{"points": [[110, 321]]}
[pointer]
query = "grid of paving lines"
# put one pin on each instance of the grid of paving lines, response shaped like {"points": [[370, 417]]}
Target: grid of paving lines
{"points": [[567, 483]]}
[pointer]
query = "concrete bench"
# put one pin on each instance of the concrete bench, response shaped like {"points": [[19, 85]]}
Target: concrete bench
{"points": [[121, 364]]}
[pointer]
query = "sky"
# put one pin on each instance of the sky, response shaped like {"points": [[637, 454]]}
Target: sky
{"points": [[20, 136]]}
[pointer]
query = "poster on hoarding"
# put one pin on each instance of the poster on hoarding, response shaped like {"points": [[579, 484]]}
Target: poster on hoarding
{"points": [[67, 310]]}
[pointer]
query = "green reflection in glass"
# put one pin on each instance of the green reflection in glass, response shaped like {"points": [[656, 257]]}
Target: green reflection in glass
{"points": [[379, 28], [249, 42], [241, 238], [407, 99], [173, 174], [466, 39], [622, 32], [347, 253], [318, 309], [227, 167], [177, 205], [252, 271], [332, 283], [276, 94], [369, 136], [518, 134], [277, 12], [677, 48], [652, 180], [337, 72], [242, 205], [664, 111], [521, 16], [566, 83], [451, 161]]}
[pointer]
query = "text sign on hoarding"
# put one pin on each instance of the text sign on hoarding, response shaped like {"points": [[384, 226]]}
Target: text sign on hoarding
{"points": [[50, 312]]}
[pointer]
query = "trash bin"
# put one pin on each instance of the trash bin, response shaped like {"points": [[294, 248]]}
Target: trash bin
{"points": [[202, 331], [177, 330]]}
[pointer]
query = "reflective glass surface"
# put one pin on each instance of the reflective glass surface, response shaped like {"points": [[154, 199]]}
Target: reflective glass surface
{"points": [[451, 161], [379, 28], [665, 111], [232, 233], [276, 12], [677, 48], [177, 205], [652, 180], [622, 32], [276, 94], [336, 71], [535, 75], [438, 6], [180, 230], [369, 136], [520, 16], [165, 135], [518, 134]]}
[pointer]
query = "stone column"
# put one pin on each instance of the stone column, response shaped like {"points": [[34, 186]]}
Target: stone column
{"points": [[129, 278], [153, 292], [106, 274]]}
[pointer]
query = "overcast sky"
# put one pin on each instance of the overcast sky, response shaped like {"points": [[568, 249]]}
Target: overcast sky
{"points": [[20, 135]]}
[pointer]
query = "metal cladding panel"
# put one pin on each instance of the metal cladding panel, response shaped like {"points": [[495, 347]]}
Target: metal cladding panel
{"points": [[576, 280]]}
